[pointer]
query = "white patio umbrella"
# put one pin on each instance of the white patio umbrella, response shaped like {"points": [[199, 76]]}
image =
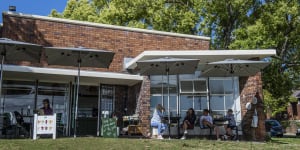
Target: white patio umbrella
{"points": [[79, 57], [12, 50], [232, 67], [167, 66]]}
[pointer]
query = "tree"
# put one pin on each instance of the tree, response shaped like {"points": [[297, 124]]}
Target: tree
{"points": [[278, 27], [78, 10], [221, 18], [165, 15]]}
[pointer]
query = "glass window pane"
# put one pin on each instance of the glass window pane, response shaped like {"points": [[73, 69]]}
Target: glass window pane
{"points": [[200, 86], [154, 100], [186, 102], [229, 102], [107, 99], [18, 96], [228, 86], [173, 105], [186, 86], [216, 87], [156, 88], [217, 103], [55, 93], [200, 103]]}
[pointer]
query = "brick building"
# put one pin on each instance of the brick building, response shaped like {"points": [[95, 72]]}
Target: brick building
{"points": [[116, 89]]}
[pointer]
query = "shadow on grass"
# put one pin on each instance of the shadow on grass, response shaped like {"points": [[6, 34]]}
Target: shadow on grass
{"points": [[278, 141]]}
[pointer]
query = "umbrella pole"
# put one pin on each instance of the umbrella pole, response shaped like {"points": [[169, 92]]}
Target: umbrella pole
{"points": [[76, 99], [169, 117], [1, 78]]}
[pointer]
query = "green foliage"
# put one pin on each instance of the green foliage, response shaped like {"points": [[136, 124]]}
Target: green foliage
{"points": [[173, 16], [277, 27], [222, 18]]}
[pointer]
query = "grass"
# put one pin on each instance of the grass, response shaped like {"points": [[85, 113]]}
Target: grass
{"points": [[91, 143]]}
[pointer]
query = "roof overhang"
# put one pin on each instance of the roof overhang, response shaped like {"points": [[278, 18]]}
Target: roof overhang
{"points": [[205, 56], [67, 75]]}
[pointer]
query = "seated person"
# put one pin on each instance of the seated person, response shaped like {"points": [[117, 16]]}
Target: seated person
{"points": [[23, 127], [46, 109], [188, 122], [157, 120], [206, 121], [231, 123]]}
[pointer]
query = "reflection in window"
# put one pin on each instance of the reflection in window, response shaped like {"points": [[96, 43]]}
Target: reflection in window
{"points": [[159, 92], [222, 94], [18, 96], [57, 95]]}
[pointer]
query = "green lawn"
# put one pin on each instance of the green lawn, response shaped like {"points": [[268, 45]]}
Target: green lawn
{"points": [[129, 144]]}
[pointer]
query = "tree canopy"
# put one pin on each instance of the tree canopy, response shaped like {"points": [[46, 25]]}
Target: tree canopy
{"points": [[234, 24]]}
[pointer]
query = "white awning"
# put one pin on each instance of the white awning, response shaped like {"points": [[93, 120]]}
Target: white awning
{"points": [[14, 72], [205, 56]]}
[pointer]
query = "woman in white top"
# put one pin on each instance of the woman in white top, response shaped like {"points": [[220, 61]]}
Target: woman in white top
{"points": [[157, 120]]}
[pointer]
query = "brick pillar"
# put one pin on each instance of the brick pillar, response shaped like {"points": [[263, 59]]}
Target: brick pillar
{"points": [[252, 87], [144, 106]]}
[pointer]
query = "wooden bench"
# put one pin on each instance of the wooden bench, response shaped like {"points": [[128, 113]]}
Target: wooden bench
{"points": [[197, 131]]}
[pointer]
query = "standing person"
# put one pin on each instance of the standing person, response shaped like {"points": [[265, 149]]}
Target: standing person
{"points": [[188, 122], [157, 120], [206, 121], [231, 123], [46, 109]]}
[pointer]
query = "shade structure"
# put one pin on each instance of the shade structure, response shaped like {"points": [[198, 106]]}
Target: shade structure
{"points": [[71, 56], [167, 66], [171, 65], [232, 67], [12, 50], [19, 51]]}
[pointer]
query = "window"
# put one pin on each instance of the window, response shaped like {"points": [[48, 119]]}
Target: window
{"points": [[107, 100], [159, 92], [222, 94], [18, 96], [193, 94], [193, 86]]}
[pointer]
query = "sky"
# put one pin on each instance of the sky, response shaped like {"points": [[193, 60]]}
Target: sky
{"points": [[34, 7]]}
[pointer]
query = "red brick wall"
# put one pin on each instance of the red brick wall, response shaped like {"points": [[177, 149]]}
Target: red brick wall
{"points": [[250, 87], [123, 43]]}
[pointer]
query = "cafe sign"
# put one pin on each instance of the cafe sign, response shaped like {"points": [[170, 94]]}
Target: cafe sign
{"points": [[45, 124]]}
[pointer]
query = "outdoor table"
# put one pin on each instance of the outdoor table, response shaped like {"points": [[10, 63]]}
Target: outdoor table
{"points": [[220, 121]]}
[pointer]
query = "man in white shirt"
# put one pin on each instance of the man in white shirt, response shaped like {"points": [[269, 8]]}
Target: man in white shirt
{"points": [[206, 121]]}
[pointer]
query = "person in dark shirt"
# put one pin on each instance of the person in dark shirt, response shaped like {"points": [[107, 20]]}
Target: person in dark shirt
{"points": [[46, 109], [188, 122]]}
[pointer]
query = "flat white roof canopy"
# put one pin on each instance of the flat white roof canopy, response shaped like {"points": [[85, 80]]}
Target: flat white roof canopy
{"points": [[68, 75], [205, 56]]}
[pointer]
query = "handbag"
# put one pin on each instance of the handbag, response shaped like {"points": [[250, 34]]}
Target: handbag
{"points": [[254, 123]]}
